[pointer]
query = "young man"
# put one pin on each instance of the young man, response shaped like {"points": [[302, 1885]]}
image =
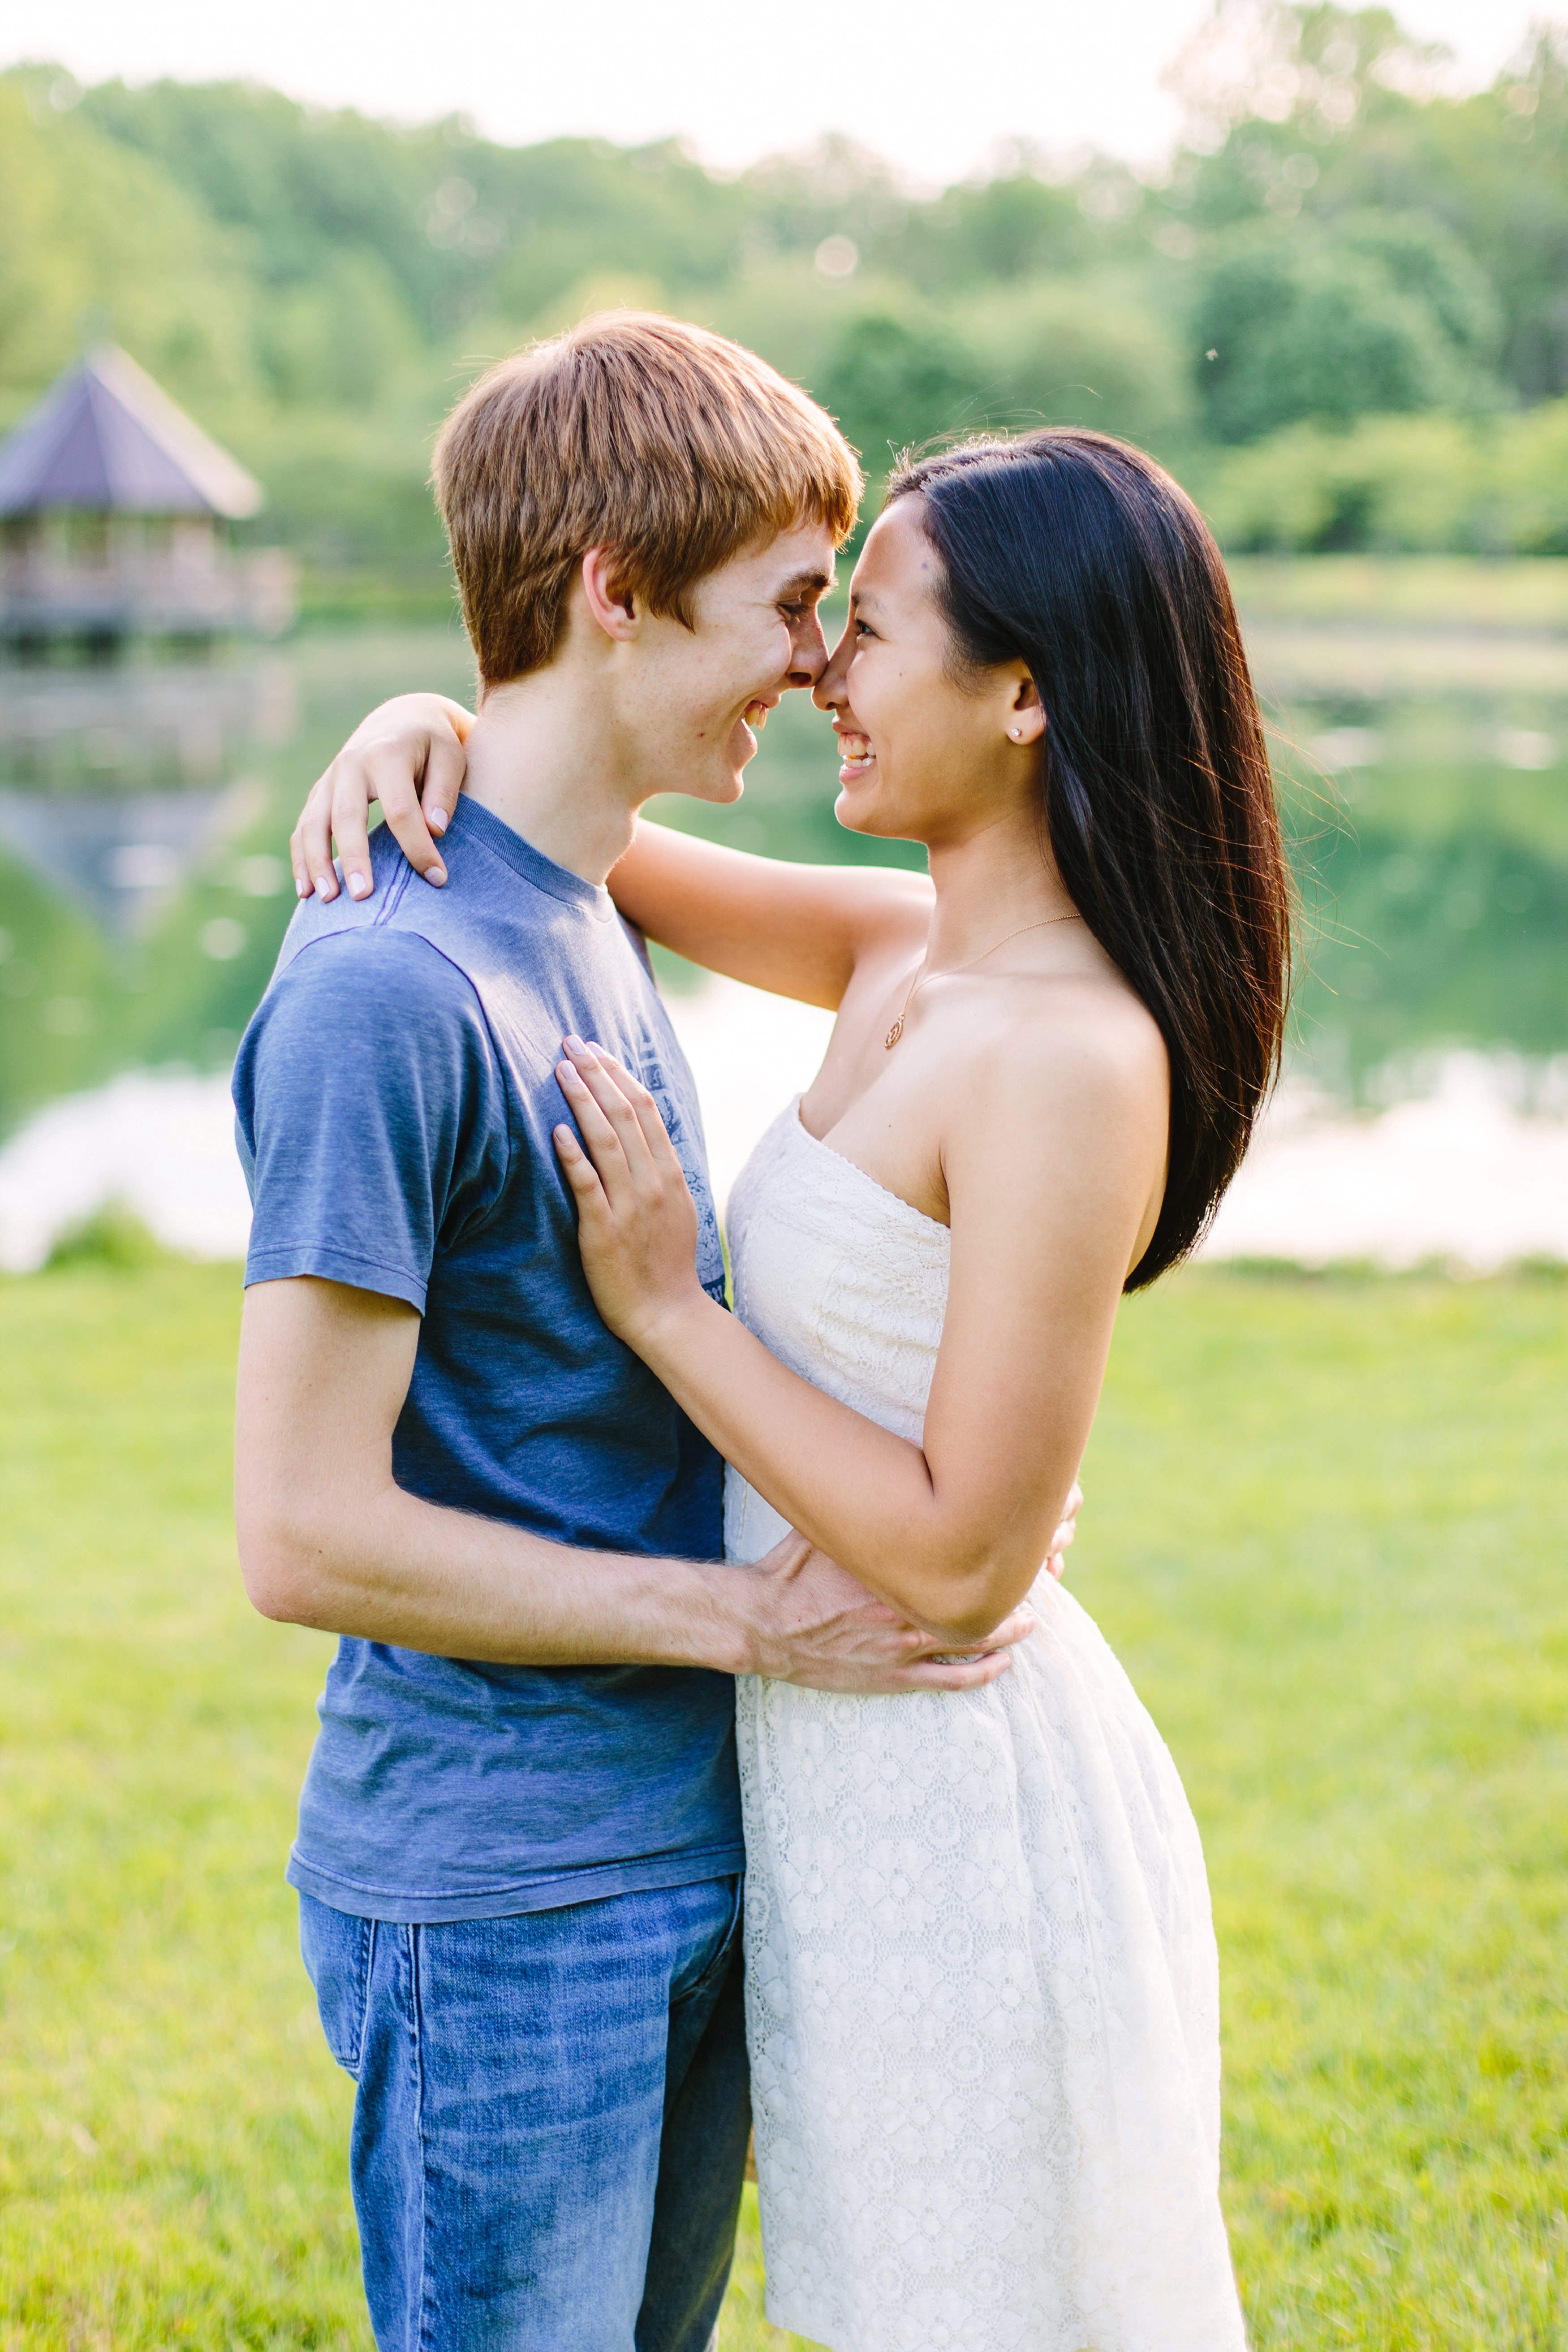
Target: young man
{"points": [[520, 1853]]}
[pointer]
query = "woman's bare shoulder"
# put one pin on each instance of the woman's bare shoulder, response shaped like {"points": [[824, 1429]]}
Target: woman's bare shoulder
{"points": [[1072, 1042], [1055, 1129], [1089, 1021]]}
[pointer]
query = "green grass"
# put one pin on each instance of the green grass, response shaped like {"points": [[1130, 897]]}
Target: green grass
{"points": [[1324, 1530]]}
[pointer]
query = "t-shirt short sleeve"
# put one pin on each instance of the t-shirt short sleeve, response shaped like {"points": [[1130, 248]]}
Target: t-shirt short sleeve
{"points": [[371, 1110]]}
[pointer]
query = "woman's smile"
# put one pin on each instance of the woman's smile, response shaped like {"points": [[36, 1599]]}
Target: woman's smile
{"points": [[855, 754]]}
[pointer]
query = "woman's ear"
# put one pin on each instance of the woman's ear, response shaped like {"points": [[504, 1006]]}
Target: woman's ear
{"points": [[1026, 712], [612, 605]]}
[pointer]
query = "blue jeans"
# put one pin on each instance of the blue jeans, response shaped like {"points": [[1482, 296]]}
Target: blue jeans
{"points": [[550, 2126]]}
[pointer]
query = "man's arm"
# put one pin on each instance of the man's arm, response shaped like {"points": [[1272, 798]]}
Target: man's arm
{"points": [[328, 1539]]}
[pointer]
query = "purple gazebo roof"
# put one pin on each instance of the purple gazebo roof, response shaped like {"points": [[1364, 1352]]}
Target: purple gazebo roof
{"points": [[105, 438]]}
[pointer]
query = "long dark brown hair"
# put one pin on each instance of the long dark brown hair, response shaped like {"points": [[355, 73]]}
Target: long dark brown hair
{"points": [[1079, 556]]}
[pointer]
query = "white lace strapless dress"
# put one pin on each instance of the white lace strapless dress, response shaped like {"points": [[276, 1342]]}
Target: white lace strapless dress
{"points": [[981, 1983]]}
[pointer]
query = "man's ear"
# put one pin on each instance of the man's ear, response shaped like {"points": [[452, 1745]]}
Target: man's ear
{"points": [[612, 605]]}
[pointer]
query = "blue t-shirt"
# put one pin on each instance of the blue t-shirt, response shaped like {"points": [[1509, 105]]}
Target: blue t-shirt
{"points": [[395, 1094]]}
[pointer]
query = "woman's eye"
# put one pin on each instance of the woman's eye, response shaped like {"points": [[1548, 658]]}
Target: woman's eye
{"points": [[864, 629]]}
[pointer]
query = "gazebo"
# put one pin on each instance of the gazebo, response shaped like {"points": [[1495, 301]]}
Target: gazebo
{"points": [[115, 510]]}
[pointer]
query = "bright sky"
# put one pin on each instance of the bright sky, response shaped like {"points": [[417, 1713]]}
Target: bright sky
{"points": [[931, 85]]}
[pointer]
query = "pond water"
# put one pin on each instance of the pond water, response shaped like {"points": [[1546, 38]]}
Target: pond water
{"points": [[144, 811], [145, 815], [1425, 785]]}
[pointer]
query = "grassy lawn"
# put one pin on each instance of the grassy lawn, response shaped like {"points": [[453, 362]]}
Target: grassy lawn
{"points": [[1324, 1530]]}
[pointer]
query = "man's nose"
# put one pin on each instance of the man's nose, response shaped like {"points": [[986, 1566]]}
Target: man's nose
{"points": [[808, 657]]}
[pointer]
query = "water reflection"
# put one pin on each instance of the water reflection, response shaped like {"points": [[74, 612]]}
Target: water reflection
{"points": [[144, 808], [121, 857], [1432, 845], [144, 814], [118, 781], [1428, 831], [143, 724]]}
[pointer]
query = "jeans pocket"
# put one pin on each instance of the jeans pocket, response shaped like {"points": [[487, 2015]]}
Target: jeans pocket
{"points": [[721, 1958], [337, 1949]]}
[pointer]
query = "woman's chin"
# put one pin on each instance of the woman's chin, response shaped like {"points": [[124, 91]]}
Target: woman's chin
{"points": [[857, 811]]}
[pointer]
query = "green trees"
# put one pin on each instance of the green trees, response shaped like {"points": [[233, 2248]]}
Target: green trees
{"points": [[1379, 269], [1375, 313], [1350, 243], [1091, 348], [1424, 485], [893, 381], [1341, 116], [95, 239]]}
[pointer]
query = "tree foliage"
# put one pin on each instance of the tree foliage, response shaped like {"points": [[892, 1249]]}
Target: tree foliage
{"points": [[95, 239], [1339, 113], [1420, 483], [1348, 238], [1385, 314]]}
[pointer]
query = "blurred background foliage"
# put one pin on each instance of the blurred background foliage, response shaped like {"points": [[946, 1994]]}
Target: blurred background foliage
{"points": [[1341, 312]]}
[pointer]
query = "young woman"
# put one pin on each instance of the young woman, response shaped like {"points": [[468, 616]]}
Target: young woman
{"points": [[982, 1978]]}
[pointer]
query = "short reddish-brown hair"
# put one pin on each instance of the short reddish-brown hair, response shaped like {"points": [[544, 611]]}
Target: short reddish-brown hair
{"points": [[673, 446]]}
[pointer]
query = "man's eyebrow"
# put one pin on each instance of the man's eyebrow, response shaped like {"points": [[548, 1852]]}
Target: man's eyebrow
{"points": [[800, 581]]}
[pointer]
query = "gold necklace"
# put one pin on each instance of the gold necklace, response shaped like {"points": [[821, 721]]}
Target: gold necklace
{"points": [[896, 1032]]}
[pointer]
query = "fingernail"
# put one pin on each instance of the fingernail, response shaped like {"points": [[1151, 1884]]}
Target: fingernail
{"points": [[574, 1045], [436, 873], [564, 1072], [437, 820], [359, 886], [304, 888], [325, 886]]}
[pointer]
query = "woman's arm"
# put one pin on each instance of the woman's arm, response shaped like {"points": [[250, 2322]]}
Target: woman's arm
{"points": [[1052, 1159], [796, 930]]}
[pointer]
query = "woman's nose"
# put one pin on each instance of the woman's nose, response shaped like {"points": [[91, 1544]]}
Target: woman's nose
{"points": [[832, 687]]}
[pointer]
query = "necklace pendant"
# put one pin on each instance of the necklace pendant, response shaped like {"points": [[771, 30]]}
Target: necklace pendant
{"points": [[894, 1033]]}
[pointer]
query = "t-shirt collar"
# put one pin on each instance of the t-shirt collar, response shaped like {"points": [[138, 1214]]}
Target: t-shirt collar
{"points": [[471, 819]]}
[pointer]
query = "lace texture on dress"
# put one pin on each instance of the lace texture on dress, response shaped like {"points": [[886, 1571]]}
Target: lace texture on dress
{"points": [[981, 1979]]}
